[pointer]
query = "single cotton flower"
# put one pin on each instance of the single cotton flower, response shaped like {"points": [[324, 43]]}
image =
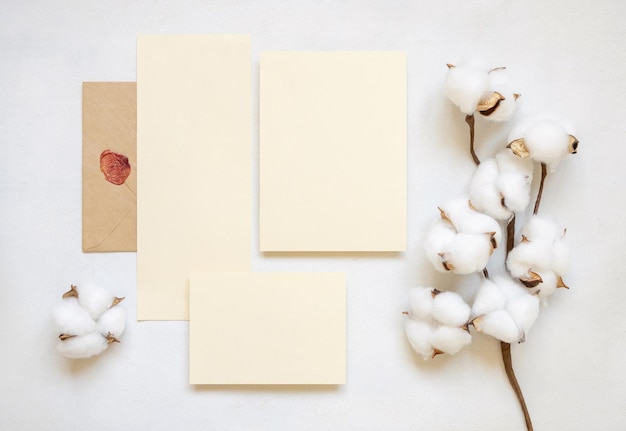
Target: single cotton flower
{"points": [[477, 89], [88, 319], [463, 239], [540, 260], [437, 322], [545, 140], [504, 309], [500, 186]]}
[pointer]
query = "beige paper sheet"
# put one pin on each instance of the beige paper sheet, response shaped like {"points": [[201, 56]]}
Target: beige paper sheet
{"points": [[333, 151], [267, 328], [109, 123], [194, 152]]}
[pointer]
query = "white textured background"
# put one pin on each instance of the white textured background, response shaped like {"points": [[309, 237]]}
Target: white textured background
{"points": [[567, 56]]}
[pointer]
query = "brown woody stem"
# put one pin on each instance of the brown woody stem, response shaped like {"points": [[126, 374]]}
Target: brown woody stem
{"points": [[469, 119], [508, 367], [544, 173], [510, 234]]}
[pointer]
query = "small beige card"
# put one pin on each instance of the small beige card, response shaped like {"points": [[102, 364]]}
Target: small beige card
{"points": [[109, 166], [194, 156], [267, 328], [333, 151]]}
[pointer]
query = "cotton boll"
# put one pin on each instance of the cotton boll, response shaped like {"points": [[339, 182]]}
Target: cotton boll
{"points": [[545, 140], [465, 86], [421, 300], [112, 321], [94, 299], [450, 339], [83, 346], [450, 309], [488, 298], [81, 334], [468, 253], [499, 324], [419, 334], [69, 317]]}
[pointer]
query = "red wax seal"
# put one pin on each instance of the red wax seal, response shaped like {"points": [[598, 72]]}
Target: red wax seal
{"points": [[114, 166]]}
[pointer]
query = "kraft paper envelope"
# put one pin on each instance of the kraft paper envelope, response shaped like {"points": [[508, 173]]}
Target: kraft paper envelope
{"points": [[194, 149], [333, 151], [109, 205], [267, 328]]}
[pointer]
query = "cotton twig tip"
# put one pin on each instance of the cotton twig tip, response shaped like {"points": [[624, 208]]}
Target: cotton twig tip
{"points": [[72, 293], [111, 338], [518, 147], [445, 217], [573, 144], [117, 300], [497, 68], [437, 352]]}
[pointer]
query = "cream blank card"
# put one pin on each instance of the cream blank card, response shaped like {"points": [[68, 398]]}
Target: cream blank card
{"points": [[194, 157], [267, 328], [333, 151]]}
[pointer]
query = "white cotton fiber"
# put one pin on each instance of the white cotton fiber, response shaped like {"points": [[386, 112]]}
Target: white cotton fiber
{"points": [[438, 241], [450, 339], [514, 187], [542, 228], [560, 256], [469, 253], [450, 309], [479, 223], [488, 298], [528, 256], [421, 301], [509, 162], [457, 210], [499, 324], [465, 86], [419, 334], [94, 299], [547, 141], [112, 321], [69, 318], [83, 346], [523, 309]]}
